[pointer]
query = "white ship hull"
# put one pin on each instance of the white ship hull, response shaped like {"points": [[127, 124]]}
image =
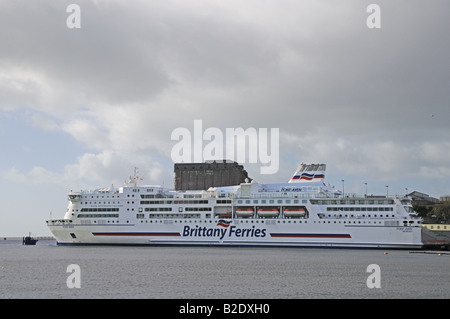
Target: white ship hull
{"points": [[240, 233], [296, 214]]}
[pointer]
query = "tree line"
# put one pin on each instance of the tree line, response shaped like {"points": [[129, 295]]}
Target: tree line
{"points": [[436, 213]]}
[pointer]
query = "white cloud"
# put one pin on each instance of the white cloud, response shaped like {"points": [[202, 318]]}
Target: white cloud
{"points": [[19, 88], [114, 167], [377, 159], [358, 99], [93, 171], [339, 92], [36, 176]]}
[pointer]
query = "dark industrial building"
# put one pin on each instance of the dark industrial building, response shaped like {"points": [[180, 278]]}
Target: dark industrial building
{"points": [[201, 176]]}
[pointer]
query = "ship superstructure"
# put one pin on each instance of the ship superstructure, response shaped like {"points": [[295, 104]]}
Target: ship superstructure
{"points": [[303, 212]]}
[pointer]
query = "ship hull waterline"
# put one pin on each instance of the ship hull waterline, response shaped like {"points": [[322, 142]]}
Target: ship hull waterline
{"points": [[347, 236]]}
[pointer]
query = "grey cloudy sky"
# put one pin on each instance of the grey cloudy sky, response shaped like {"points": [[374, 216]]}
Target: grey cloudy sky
{"points": [[81, 107]]}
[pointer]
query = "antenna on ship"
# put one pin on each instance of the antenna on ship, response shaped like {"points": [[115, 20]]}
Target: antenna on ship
{"points": [[136, 176], [132, 182]]}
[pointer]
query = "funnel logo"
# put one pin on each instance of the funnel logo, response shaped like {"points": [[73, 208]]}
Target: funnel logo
{"points": [[223, 223]]}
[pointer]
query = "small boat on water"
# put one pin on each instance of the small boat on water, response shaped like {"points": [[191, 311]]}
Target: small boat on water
{"points": [[28, 240]]}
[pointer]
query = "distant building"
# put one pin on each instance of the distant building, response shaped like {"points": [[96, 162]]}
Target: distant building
{"points": [[198, 176], [445, 198], [419, 198]]}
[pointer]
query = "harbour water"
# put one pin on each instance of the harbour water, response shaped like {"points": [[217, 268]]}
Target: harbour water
{"points": [[41, 271]]}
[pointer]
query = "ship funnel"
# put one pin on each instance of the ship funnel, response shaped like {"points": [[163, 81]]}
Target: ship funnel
{"points": [[309, 173]]}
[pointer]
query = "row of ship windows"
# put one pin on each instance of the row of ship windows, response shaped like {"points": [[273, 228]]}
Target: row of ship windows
{"points": [[360, 209], [348, 222], [149, 190], [117, 196], [147, 209], [278, 222], [99, 209], [263, 201], [357, 216], [98, 216], [353, 202], [140, 216], [256, 221], [171, 196], [215, 221], [149, 202], [100, 203], [209, 209], [142, 196], [180, 209], [271, 201], [86, 197], [253, 221]]}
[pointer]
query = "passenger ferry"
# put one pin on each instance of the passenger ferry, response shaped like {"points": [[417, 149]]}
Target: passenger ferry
{"points": [[304, 212]]}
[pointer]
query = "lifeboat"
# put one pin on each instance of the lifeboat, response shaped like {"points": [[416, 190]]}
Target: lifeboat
{"points": [[294, 212], [225, 215], [244, 211], [268, 212]]}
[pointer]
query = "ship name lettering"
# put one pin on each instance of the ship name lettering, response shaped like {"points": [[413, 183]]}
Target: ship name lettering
{"points": [[405, 229], [291, 189], [247, 232], [204, 232], [198, 231]]}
